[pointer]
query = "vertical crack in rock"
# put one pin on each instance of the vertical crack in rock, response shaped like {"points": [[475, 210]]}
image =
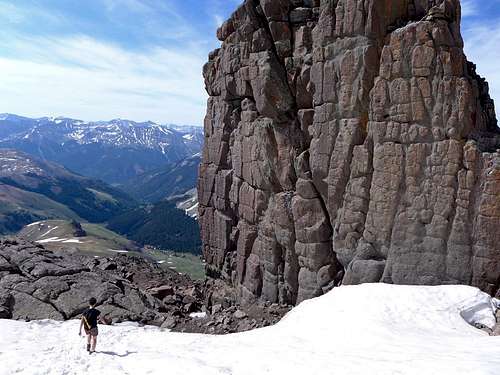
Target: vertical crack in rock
{"points": [[347, 141]]}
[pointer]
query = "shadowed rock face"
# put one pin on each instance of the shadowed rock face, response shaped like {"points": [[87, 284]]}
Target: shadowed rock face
{"points": [[347, 141]]}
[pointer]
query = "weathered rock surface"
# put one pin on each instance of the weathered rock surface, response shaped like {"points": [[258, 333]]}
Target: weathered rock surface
{"points": [[36, 283], [347, 141]]}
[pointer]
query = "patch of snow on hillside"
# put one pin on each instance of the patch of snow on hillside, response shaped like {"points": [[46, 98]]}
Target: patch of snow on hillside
{"points": [[52, 239], [73, 240], [164, 129], [33, 224], [49, 231], [192, 208], [374, 329], [77, 135]]}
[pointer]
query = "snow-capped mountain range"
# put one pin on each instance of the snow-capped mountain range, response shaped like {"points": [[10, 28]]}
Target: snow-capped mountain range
{"points": [[117, 132], [113, 151]]}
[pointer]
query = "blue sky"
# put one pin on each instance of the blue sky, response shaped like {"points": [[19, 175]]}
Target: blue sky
{"points": [[142, 59]]}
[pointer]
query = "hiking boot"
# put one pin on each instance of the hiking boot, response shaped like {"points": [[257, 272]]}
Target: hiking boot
{"points": [[88, 347]]}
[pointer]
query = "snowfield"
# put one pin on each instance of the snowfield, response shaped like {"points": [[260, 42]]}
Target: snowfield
{"points": [[371, 329]]}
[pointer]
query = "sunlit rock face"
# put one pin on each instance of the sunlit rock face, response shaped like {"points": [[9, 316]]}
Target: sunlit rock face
{"points": [[347, 141]]}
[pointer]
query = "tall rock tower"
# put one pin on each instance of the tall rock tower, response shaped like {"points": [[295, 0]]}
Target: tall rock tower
{"points": [[347, 141]]}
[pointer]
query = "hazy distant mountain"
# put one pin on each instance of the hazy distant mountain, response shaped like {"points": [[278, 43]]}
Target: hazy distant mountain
{"points": [[32, 189], [166, 182], [161, 225], [20, 207], [113, 151], [151, 162]]}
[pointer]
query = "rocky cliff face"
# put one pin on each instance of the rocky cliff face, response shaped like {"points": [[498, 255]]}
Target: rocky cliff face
{"points": [[348, 141]]}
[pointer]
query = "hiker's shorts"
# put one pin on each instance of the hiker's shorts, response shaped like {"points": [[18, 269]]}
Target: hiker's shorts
{"points": [[92, 331]]}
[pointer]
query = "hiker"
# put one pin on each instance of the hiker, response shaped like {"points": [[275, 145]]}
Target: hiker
{"points": [[90, 318]]}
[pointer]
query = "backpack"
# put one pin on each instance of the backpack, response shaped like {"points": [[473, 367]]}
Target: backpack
{"points": [[86, 317]]}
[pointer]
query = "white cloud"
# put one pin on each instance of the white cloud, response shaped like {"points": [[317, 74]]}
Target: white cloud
{"points": [[219, 20], [216, 8], [482, 47], [469, 8], [13, 14], [84, 78], [157, 19], [156, 74], [133, 5], [10, 13]]}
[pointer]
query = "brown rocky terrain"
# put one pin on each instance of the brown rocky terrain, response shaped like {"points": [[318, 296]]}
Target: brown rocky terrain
{"points": [[37, 283], [347, 141]]}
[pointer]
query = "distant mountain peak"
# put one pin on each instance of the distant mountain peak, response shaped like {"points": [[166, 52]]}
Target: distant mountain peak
{"points": [[118, 132], [113, 151], [10, 116]]}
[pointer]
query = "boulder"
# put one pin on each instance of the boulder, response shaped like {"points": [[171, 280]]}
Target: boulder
{"points": [[239, 314], [169, 323], [162, 291], [6, 302]]}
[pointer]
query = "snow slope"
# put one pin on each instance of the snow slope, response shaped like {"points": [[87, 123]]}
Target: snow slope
{"points": [[370, 329]]}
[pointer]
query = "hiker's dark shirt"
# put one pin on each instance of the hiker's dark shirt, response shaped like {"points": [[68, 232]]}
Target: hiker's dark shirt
{"points": [[91, 315]]}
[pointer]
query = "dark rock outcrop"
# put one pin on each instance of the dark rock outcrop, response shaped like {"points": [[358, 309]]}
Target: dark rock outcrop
{"points": [[78, 231], [347, 141], [36, 283]]}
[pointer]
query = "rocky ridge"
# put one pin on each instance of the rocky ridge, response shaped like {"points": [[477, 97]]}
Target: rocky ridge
{"points": [[347, 141], [36, 283]]}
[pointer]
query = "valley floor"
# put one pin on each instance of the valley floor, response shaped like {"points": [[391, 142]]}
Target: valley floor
{"points": [[371, 329]]}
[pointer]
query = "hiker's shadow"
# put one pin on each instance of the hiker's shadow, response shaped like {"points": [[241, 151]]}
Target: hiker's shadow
{"points": [[114, 354]]}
